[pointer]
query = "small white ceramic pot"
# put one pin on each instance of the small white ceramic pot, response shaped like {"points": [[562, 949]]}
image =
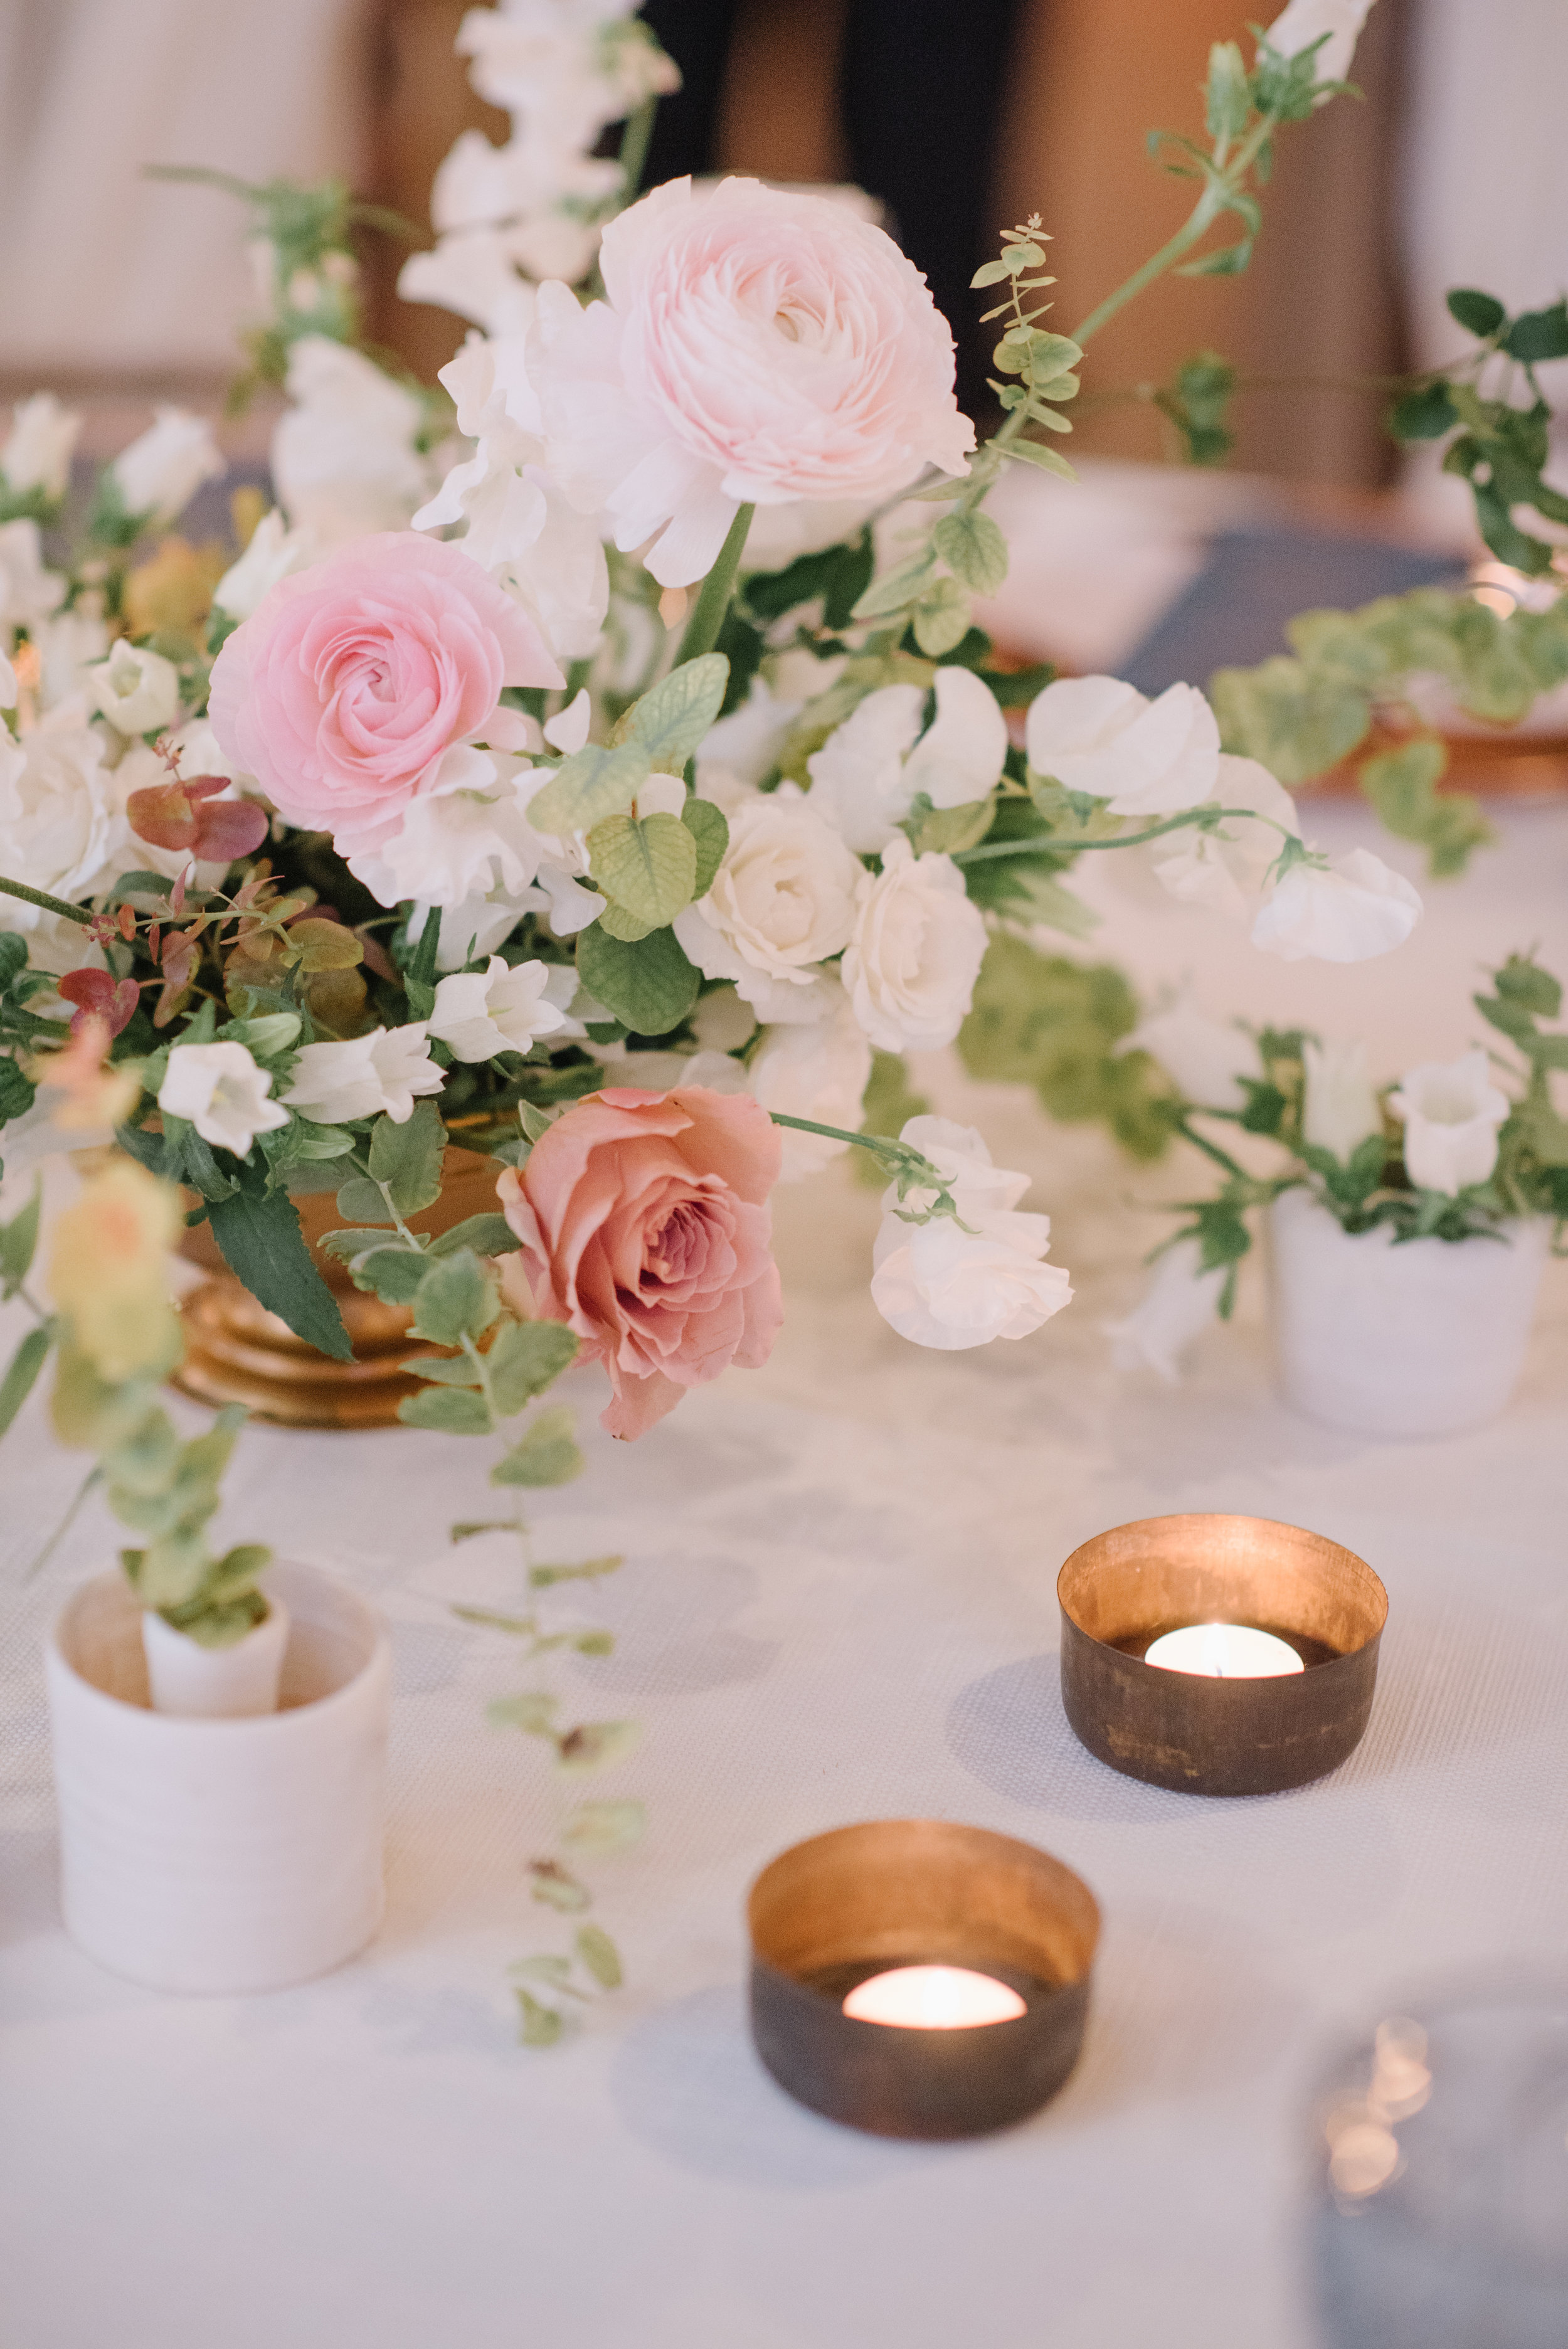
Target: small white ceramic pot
{"points": [[216, 1683], [1421, 1339], [220, 1855]]}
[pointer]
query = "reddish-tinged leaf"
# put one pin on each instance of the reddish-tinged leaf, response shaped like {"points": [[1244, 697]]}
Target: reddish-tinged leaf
{"points": [[178, 958], [154, 947], [96, 997], [126, 923], [163, 815], [203, 787], [377, 958], [177, 896], [227, 829]]}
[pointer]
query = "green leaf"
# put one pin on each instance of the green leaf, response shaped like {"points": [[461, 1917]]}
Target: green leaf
{"points": [[646, 865], [18, 1240], [532, 1712], [671, 723], [259, 1233], [896, 589], [593, 783], [599, 1956], [361, 1203], [1424, 415], [445, 1370], [593, 1745], [1049, 461], [522, 1627], [1228, 98], [357, 1240], [556, 1888], [1524, 982], [1402, 786], [941, 616], [648, 984], [629, 928], [407, 1158], [604, 1827], [392, 1274], [546, 1967], [487, 1235], [17, 1092], [22, 1374], [1538, 334], [839, 574], [973, 549], [1228, 261], [451, 1411], [1477, 313], [541, 1578], [525, 1358], [541, 2026], [709, 828], [990, 273], [457, 1298], [547, 1455]]}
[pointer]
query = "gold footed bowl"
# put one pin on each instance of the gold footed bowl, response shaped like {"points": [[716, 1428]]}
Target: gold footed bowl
{"points": [[236, 1351]]}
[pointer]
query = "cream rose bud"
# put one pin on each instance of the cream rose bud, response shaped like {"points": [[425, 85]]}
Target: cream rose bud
{"points": [[1306, 21], [273, 553], [915, 953], [1452, 1112], [377, 1075], [1339, 1109], [501, 1008], [781, 903], [819, 1073], [1226, 869], [219, 1088], [1105, 739], [160, 473], [943, 1286], [135, 689], [1202, 1057], [38, 454], [1180, 1301], [1346, 911]]}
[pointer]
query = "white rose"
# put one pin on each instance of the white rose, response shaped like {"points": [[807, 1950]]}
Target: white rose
{"points": [[1339, 1109], [219, 1088], [28, 593], [1225, 870], [1203, 1057], [38, 455], [819, 1073], [1452, 1112], [1347, 912], [1097, 736], [867, 774], [273, 553], [501, 1008], [344, 459], [940, 1286], [135, 689], [1306, 21], [916, 952], [782, 901], [160, 473], [366, 1076], [1179, 1303], [57, 828]]}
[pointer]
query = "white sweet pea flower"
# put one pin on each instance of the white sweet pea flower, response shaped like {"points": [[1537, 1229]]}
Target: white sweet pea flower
{"points": [[38, 454], [273, 553], [474, 926], [135, 689], [366, 1076], [1179, 1303], [1339, 1109], [781, 903], [916, 950], [501, 1008], [1346, 911], [28, 593], [819, 1073], [868, 773], [343, 456], [465, 835], [219, 1088], [568, 730], [1452, 1112], [160, 473], [1306, 21], [473, 272], [59, 829], [942, 1286], [743, 748], [1226, 869], [1143, 758], [1202, 1057], [959, 757]]}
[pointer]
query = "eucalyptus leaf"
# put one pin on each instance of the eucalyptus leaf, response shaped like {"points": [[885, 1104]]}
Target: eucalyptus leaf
{"points": [[711, 828], [540, 2025], [594, 1744], [593, 783], [547, 1455], [648, 984], [646, 865], [604, 1827], [557, 1887], [671, 721], [599, 1956], [973, 549]]}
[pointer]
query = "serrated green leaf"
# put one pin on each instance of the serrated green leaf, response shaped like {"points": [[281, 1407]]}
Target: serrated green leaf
{"points": [[451, 1410], [487, 1235], [524, 1359], [547, 1453], [648, 984], [973, 549], [709, 828], [392, 1274], [258, 1232], [605, 1827], [673, 719], [407, 1158], [646, 865], [599, 1956], [22, 1374], [594, 782], [457, 1298]]}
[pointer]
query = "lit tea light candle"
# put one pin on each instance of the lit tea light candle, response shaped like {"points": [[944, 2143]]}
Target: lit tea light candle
{"points": [[1224, 1652], [934, 1997]]}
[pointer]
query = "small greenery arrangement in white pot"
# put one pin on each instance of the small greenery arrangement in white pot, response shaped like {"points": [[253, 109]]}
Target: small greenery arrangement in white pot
{"points": [[1408, 1224]]}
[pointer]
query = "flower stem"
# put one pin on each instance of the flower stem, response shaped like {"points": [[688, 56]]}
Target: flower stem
{"points": [[50, 904], [713, 603], [1204, 214], [1205, 816], [633, 155]]}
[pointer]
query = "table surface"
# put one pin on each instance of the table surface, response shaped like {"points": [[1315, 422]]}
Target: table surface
{"points": [[837, 1605]]}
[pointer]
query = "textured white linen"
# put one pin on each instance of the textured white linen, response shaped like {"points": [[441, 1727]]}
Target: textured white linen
{"points": [[838, 1605]]}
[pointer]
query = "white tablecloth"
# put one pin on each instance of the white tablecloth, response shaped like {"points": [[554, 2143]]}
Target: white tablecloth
{"points": [[838, 1605]]}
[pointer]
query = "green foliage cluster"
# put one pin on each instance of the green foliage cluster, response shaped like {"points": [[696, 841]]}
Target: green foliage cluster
{"points": [[1054, 1025]]}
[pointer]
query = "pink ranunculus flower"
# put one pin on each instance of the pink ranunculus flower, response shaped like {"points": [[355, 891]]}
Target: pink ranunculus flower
{"points": [[645, 1228], [351, 682], [756, 346]]}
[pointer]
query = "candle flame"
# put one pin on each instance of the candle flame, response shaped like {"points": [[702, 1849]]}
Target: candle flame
{"points": [[934, 1997]]}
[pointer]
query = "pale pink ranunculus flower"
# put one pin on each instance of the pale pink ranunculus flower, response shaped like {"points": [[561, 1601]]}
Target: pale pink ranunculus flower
{"points": [[756, 346], [645, 1228], [352, 681]]}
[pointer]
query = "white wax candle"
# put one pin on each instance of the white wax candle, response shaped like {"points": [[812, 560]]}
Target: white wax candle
{"points": [[934, 1997], [1224, 1652]]}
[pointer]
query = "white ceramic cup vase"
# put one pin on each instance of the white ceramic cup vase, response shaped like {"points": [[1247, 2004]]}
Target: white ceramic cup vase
{"points": [[1424, 1338], [230, 1854], [245, 1677]]}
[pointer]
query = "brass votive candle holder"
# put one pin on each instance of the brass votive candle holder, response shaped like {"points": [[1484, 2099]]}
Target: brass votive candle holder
{"points": [[1185, 1730], [831, 1914]]}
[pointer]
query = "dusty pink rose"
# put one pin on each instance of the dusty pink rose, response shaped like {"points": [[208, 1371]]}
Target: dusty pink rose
{"points": [[645, 1228], [756, 346], [351, 681]]}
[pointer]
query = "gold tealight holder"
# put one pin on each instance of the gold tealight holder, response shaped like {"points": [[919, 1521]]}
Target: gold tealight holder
{"points": [[937, 1929], [1192, 1730]]}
